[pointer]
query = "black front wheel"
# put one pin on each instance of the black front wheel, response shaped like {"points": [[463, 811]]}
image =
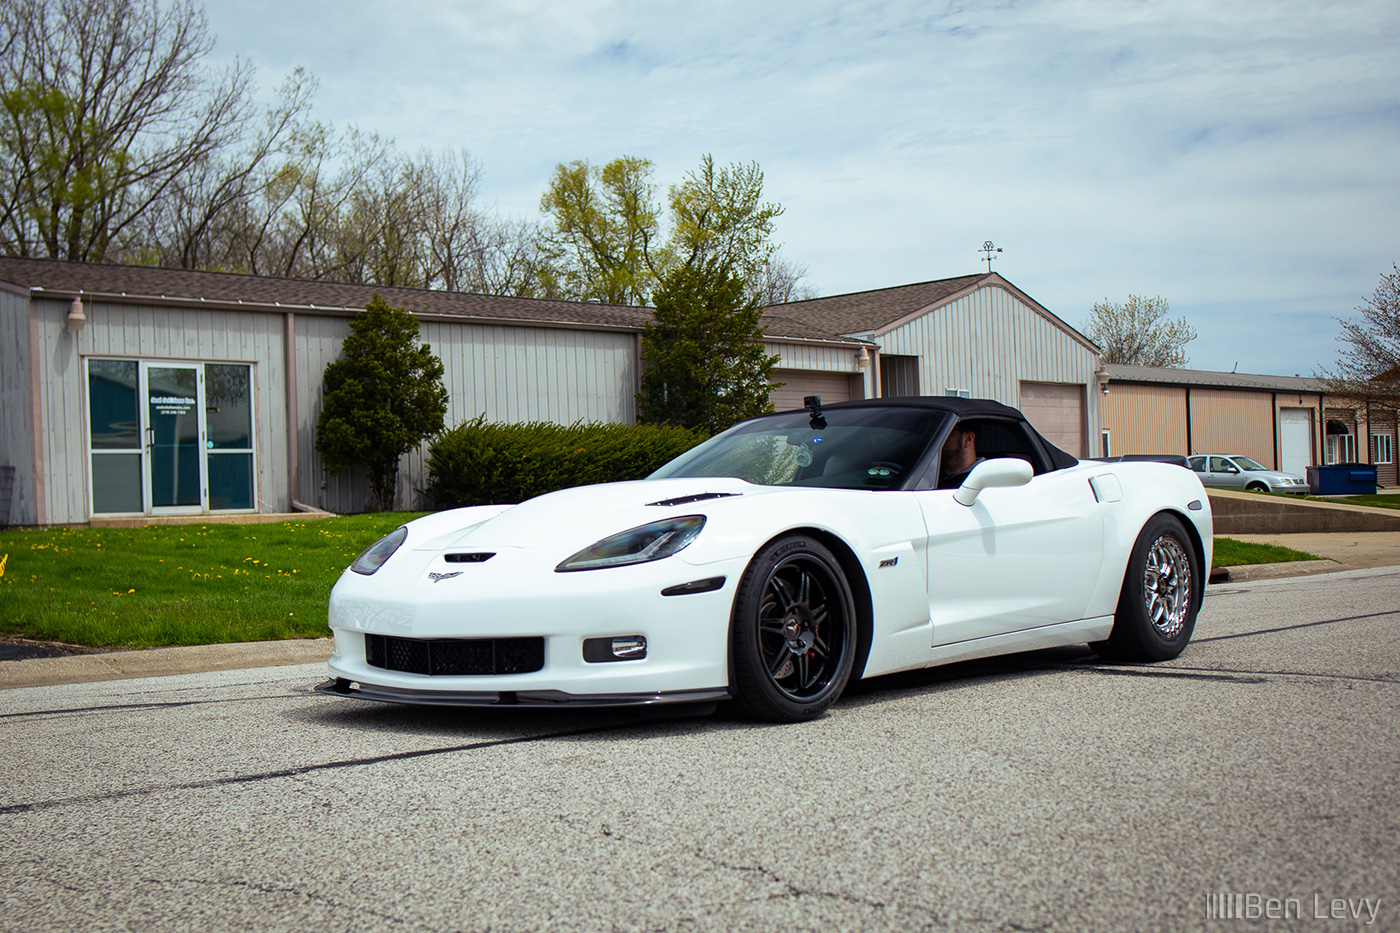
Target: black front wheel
{"points": [[1160, 597], [793, 632]]}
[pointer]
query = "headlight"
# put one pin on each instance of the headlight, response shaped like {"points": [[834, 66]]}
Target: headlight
{"points": [[374, 556], [637, 545]]}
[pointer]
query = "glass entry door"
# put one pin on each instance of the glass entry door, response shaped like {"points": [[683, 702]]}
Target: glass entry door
{"points": [[170, 438], [174, 427]]}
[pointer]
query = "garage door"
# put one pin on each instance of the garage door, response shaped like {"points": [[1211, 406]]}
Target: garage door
{"points": [[832, 387], [1295, 439], [1057, 411]]}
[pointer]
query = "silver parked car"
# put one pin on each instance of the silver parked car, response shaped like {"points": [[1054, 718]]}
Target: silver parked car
{"points": [[1236, 472]]}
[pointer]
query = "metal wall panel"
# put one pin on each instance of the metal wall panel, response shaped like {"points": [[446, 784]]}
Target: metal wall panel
{"points": [[1225, 421], [508, 374], [814, 358], [987, 343], [16, 427], [1145, 419]]}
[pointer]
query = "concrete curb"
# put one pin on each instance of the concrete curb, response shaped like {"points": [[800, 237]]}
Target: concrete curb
{"points": [[1292, 568], [158, 662]]}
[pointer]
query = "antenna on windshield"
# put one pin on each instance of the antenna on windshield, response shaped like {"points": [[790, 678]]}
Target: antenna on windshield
{"points": [[813, 403]]}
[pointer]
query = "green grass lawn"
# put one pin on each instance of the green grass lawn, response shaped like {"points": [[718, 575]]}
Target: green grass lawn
{"points": [[1379, 501], [178, 584], [1232, 553]]}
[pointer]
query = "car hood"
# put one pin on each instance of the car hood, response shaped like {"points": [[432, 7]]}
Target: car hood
{"points": [[571, 519]]}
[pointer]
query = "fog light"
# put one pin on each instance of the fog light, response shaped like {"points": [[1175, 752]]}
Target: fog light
{"points": [[620, 648]]}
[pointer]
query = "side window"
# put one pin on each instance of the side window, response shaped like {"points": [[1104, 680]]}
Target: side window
{"points": [[1220, 465], [1198, 464], [1005, 439]]}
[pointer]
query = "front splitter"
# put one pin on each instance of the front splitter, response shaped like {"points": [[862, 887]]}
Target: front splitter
{"points": [[341, 687]]}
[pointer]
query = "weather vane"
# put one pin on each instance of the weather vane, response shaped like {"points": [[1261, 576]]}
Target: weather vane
{"points": [[990, 251]]}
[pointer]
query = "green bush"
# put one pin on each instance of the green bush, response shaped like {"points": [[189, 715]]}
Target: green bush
{"points": [[480, 463]]}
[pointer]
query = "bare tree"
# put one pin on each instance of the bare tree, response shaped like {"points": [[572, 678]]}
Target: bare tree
{"points": [[106, 103], [1368, 368], [217, 212], [779, 281], [1139, 332]]}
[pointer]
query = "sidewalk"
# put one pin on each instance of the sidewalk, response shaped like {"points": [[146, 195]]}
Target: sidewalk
{"points": [[1339, 552]]}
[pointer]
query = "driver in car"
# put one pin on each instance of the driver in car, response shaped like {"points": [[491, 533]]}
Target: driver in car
{"points": [[958, 459]]}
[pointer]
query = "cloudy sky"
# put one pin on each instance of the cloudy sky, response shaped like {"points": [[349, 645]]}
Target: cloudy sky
{"points": [[1242, 160]]}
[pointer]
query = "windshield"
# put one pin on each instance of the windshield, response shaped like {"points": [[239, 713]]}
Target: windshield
{"points": [[860, 448], [1247, 464]]}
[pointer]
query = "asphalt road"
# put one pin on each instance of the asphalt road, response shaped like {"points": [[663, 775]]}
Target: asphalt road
{"points": [[1041, 792]]}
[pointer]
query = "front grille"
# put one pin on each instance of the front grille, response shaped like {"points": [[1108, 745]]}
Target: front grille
{"points": [[455, 656]]}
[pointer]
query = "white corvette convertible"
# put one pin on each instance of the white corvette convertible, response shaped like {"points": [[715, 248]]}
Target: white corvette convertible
{"points": [[776, 561]]}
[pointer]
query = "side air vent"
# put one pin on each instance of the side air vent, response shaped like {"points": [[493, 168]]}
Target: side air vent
{"points": [[698, 497], [470, 558]]}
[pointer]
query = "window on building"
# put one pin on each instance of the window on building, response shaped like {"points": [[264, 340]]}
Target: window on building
{"points": [[1341, 448], [1382, 448], [1107, 447]]}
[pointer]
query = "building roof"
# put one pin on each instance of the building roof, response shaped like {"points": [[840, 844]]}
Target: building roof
{"points": [[134, 283], [883, 309], [840, 319], [1162, 375], [874, 311]]}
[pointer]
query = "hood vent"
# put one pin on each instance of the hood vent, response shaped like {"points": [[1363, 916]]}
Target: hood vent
{"points": [[467, 558], [697, 497]]}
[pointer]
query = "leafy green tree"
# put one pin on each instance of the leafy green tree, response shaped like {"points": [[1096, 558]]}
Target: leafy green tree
{"points": [[720, 216], [382, 398], [604, 235], [1138, 332], [704, 362], [605, 224]]}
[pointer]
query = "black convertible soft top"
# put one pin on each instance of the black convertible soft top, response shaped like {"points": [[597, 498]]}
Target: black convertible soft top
{"points": [[964, 408]]}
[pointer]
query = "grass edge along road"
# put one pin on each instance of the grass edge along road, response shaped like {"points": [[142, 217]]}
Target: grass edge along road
{"points": [[207, 584]]}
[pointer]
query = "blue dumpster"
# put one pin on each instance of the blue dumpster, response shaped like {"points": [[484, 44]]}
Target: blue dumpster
{"points": [[1343, 479]]}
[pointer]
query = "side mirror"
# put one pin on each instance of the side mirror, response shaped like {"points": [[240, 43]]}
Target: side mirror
{"points": [[1005, 471]]}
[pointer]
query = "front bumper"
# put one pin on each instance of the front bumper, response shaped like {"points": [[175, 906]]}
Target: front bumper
{"points": [[686, 636]]}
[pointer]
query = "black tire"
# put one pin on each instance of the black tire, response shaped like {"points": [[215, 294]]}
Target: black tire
{"points": [[1160, 597], [1256, 487], [793, 632]]}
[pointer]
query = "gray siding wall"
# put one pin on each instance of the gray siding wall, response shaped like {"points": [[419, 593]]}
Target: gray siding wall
{"points": [[989, 342], [151, 332], [16, 430], [508, 374], [814, 357]]}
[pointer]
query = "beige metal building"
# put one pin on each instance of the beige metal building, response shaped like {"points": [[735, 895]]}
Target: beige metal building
{"points": [[1285, 422]]}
